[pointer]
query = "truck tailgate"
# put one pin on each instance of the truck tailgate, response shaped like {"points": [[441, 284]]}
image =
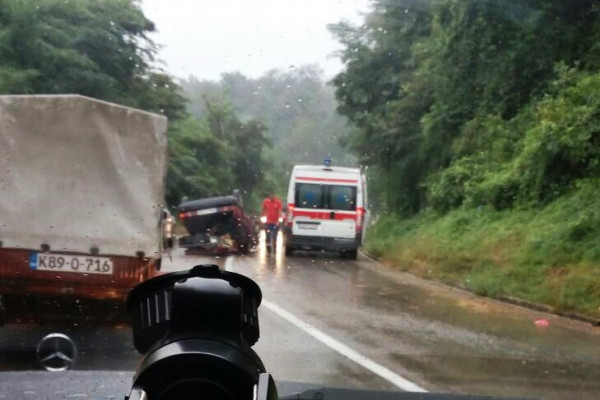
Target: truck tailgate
{"points": [[17, 277]]}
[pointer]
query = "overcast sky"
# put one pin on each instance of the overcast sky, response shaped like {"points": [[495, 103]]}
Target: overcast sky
{"points": [[208, 37]]}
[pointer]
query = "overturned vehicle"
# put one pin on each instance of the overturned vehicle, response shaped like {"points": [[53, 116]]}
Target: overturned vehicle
{"points": [[217, 225]]}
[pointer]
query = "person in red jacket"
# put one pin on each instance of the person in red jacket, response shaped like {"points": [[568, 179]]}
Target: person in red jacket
{"points": [[271, 211]]}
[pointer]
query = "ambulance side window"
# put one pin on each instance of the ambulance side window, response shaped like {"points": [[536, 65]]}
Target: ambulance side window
{"points": [[309, 195]]}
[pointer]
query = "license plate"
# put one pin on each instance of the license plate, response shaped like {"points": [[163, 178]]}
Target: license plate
{"points": [[308, 227], [206, 211], [71, 263]]}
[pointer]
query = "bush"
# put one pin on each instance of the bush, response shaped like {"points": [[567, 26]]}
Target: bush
{"points": [[550, 254]]}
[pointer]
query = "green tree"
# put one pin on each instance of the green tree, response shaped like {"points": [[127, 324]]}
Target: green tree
{"points": [[200, 163], [440, 92], [296, 107], [245, 140], [94, 48], [215, 154], [379, 94], [101, 49]]}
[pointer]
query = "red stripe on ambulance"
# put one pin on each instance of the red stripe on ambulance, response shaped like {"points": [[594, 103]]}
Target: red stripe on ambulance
{"points": [[313, 179], [338, 215]]}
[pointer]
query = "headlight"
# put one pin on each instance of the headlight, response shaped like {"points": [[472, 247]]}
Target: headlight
{"points": [[280, 219], [263, 219]]}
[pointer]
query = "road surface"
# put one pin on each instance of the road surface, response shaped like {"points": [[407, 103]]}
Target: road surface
{"points": [[437, 338], [358, 324]]}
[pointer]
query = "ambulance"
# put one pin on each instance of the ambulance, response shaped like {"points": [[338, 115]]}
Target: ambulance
{"points": [[326, 209]]}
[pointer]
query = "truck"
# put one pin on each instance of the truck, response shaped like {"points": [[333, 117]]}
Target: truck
{"points": [[82, 185]]}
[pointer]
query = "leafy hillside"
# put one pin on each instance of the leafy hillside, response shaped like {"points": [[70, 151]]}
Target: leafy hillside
{"points": [[479, 122]]}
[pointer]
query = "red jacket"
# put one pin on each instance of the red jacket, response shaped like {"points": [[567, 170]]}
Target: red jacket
{"points": [[271, 209]]}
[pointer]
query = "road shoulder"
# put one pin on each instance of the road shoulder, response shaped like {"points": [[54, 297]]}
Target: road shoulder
{"points": [[583, 324]]}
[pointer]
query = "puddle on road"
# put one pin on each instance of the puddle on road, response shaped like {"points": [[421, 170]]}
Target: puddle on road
{"points": [[507, 377], [475, 314]]}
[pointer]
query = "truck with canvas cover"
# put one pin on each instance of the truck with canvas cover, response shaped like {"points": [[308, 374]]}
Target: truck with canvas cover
{"points": [[82, 186]]}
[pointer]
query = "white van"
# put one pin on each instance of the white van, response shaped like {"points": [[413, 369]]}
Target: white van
{"points": [[326, 209]]}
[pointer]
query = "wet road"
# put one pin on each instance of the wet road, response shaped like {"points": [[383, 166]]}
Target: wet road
{"points": [[437, 338]]}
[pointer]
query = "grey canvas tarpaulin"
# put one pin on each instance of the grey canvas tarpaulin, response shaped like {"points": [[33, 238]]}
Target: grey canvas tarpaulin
{"points": [[77, 173]]}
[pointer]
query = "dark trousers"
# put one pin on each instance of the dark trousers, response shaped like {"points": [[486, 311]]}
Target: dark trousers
{"points": [[271, 230]]}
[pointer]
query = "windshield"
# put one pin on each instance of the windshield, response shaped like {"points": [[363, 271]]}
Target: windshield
{"points": [[412, 183]]}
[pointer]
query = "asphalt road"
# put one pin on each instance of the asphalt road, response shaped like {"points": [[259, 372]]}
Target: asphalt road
{"points": [[358, 324]]}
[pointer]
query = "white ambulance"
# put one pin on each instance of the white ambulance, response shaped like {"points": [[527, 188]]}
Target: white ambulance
{"points": [[326, 209]]}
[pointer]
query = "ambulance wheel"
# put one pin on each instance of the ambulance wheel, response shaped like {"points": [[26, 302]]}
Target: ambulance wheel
{"points": [[350, 254]]}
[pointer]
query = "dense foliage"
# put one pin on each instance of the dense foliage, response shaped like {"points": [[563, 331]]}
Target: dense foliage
{"points": [[93, 48], [547, 254], [101, 49], [216, 154], [480, 123], [297, 106], [473, 102]]}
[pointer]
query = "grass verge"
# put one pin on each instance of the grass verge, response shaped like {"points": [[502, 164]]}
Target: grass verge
{"points": [[549, 255]]}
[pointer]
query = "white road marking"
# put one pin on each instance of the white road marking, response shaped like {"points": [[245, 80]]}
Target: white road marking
{"points": [[228, 263], [338, 346], [345, 351]]}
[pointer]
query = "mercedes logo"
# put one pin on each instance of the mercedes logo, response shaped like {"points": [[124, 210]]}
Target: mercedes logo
{"points": [[56, 352]]}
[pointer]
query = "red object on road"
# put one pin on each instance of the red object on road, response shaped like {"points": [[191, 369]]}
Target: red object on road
{"points": [[541, 323]]}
